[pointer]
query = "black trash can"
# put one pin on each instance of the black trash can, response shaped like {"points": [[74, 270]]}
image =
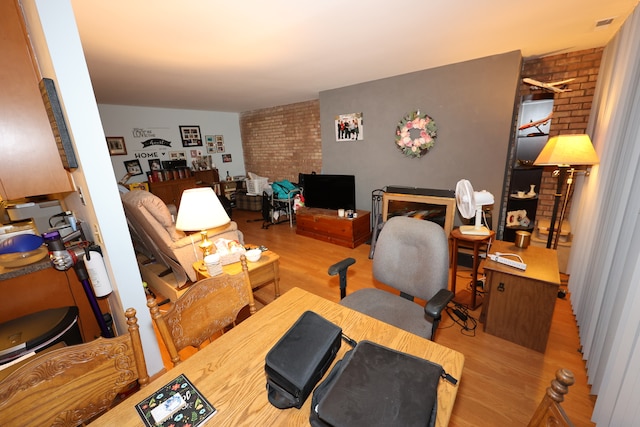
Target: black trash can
{"points": [[38, 331]]}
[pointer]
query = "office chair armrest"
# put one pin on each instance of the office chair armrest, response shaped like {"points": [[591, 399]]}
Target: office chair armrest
{"points": [[439, 301], [340, 268]]}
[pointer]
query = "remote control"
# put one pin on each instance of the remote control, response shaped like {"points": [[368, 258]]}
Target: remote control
{"points": [[509, 262]]}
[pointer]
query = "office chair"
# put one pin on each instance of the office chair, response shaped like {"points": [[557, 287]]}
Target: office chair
{"points": [[411, 256]]}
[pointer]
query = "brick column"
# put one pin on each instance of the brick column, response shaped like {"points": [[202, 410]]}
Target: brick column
{"points": [[570, 109]]}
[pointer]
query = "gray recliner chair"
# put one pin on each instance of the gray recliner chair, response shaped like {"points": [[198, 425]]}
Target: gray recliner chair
{"points": [[412, 256]]}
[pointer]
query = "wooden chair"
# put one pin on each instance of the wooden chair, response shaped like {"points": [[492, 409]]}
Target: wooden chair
{"points": [[549, 412], [71, 385], [207, 307]]}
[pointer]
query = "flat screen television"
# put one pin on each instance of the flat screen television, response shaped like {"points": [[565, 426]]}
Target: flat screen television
{"points": [[329, 191]]}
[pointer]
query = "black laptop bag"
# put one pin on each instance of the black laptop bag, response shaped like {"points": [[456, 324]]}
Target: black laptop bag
{"points": [[377, 386], [299, 359]]}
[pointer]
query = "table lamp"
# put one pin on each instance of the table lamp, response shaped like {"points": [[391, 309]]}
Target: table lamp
{"points": [[200, 209], [565, 151]]}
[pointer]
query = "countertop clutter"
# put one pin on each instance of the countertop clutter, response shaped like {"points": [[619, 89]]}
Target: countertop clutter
{"points": [[14, 265], [10, 273]]}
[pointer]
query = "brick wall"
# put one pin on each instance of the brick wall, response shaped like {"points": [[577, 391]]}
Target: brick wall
{"points": [[280, 142], [570, 109]]}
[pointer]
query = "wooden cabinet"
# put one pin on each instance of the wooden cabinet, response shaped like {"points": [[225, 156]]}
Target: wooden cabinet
{"points": [[29, 164], [49, 288], [171, 191], [519, 304], [326, 225], [207, 177]]}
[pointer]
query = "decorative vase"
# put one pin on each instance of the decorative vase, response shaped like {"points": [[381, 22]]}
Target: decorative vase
{"points": [[532, 190]]}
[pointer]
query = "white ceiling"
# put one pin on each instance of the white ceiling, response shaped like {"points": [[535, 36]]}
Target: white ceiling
{"points": [[251, 54]]}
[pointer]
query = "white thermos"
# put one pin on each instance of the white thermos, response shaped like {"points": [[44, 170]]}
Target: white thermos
{"points": [[98, 273]]}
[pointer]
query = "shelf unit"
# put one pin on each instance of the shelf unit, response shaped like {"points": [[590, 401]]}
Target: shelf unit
{"points": [[521, 180], [534, 122]]}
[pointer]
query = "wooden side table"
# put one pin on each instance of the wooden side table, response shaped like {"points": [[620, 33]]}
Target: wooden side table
{"points": [[519, 304], [265, 271], [476, 241]]}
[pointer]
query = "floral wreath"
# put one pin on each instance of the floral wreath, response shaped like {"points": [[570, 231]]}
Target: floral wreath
{"points": [[423, 137]]}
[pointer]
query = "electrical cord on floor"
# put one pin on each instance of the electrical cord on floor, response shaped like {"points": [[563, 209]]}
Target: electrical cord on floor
{"points": [[460, 316]]}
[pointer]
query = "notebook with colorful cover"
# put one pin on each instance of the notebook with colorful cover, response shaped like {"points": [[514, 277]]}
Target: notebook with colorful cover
{"points": [[178, 403]]}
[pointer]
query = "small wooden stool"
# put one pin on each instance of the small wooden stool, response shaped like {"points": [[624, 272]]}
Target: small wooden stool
{"points": [[476, 241]]}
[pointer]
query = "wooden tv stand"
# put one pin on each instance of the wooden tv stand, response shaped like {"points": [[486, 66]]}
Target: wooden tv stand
{"points": [[326, 225]]}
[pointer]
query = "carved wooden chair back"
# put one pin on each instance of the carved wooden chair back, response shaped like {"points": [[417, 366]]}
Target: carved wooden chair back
{"points": [[207, 307], [71, 385], [549, 412]]}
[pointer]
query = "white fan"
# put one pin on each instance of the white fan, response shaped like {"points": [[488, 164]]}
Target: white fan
{"points": [[469, 203]]}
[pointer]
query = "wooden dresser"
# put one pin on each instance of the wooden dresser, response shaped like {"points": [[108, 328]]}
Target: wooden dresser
{"points": [[171, 191], [326, 225]]}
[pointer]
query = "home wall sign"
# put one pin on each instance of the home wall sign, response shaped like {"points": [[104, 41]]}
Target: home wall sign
{"points": [[416, 134]]}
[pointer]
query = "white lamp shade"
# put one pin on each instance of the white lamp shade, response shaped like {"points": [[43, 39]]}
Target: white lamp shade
{"points": [[568, 150], [200, 209]]}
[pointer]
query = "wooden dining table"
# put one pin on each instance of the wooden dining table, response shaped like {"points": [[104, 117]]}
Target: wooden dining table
{"points": [[230, 373]]}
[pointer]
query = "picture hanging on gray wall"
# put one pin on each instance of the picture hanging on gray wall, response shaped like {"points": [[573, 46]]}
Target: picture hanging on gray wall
{"points": [[349, 127]]}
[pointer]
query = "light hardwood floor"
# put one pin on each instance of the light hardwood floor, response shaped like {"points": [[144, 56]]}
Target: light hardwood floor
{"points": [[502, 383]]}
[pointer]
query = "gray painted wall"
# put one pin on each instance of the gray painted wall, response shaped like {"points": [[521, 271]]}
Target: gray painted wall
{"points": [[472, 103]]}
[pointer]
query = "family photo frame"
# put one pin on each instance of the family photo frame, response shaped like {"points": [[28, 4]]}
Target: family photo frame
{"points": [[133, 167], [190, 136], [116, 145]]}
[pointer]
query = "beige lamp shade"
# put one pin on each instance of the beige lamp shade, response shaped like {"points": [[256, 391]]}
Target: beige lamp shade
{"points": [[568, 150], [200, 209]]}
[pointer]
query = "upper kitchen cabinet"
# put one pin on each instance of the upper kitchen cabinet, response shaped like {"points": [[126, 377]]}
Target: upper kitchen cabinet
{"points": [[30, 164]]}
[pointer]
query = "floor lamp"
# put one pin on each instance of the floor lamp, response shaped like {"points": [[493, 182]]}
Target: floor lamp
{"points": [[565, 152]]}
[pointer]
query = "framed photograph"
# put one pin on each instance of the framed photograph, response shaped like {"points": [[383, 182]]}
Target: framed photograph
{"points": [[211, 144], [226, 158], [116, 145], [219, 144], [133, 167], [190, 136], [154, 164], [349, 127], [178, 155]]}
